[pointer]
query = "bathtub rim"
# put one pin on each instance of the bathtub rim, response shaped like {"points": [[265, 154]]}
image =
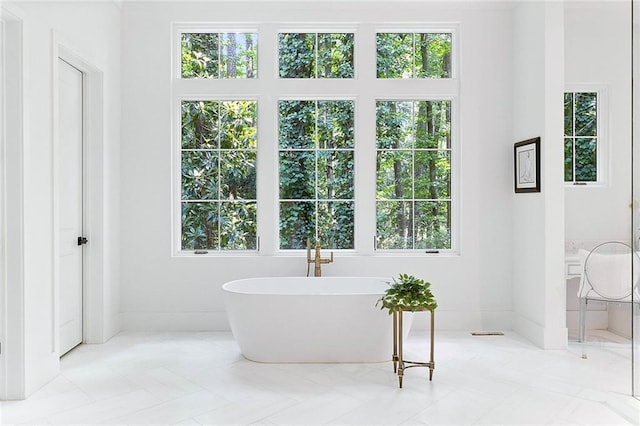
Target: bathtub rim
{"points": [[226, 285]]}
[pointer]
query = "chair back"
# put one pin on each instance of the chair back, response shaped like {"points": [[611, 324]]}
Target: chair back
{"points": [[608, 273]]}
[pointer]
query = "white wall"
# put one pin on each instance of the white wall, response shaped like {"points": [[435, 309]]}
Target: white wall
{"points": [[597, 51], [11, 280], [163, 292], [538, 228], [91, 31]]}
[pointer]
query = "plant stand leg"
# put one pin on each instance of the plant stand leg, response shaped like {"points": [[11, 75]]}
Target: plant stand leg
{"points": [[400, 356], [432, 363], [394, 357]]}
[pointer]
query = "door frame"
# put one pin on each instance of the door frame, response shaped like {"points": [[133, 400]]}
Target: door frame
{"points": [[12, 298], [93, 193]]}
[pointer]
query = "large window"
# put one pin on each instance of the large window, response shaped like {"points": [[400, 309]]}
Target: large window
{"points": [[218, 161], [316, 146], [413, 207], [316, 143], [583, 141]]}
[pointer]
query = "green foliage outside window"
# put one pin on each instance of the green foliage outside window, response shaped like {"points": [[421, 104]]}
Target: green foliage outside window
{"points": [[413, 174], [316, 55], [218, 185], [219, 55], [316, 146], [413, 55], [316, 164], [581, 136]]}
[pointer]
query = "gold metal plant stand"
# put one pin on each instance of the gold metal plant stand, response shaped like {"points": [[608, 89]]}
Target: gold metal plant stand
{"points": [[398, 359]]}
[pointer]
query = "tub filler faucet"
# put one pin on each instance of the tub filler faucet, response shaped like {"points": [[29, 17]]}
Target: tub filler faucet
{"points": [[317, 260]]}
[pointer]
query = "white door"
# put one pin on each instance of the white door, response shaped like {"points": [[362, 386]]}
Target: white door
{"points": [[70, 204]]}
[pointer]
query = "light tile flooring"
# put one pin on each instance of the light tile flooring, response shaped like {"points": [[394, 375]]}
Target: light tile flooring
{"points": [[201, 378]]}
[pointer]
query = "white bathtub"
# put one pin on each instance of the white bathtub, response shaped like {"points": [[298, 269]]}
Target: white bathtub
{"points": [[299, 319]]}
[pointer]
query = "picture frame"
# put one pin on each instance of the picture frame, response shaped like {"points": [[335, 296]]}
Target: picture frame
{"points": [[526, 158]]}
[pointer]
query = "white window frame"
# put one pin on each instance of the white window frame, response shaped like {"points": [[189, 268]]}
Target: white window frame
{"points": [[423, 28], [355, 171], [602, 137], [454, 158], [268, 88]]}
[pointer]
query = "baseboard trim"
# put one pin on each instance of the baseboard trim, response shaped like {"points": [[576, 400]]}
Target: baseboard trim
{"points": [[174, 321]]}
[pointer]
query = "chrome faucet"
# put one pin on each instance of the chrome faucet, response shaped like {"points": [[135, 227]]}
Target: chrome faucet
{"points": [[317, 260]]}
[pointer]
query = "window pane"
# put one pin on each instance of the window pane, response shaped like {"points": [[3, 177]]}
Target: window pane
{"points": [[335, 124], [238, 129], [433, 124], [297, 55], [199, 226], [581, 127], [586, 114], [219, 55], [297, 175], [199, 175], [433, 225], [210, 174], [238, 226], [238, 175], [432, 171], [417, 169], [394, 124], [335, 224], [297, 224], [394, 171], [316, 55], [335, 175], [200, 124], [395, 55], [568, 114], [335, 55], [568, 159], [239, 55], [413, 55], [200, 55], [297, 124], [433, 55], [394, 224], [316, 164], [586, 160]]}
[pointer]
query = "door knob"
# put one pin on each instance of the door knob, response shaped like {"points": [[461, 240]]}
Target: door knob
{"points": [[82, 240]]}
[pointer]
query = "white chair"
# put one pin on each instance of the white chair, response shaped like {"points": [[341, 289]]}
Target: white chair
{"points": [[609, 274]]}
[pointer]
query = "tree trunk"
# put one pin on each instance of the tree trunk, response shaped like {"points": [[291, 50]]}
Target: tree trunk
{"points": [[248, 41], [232, 58], [403, 220]]}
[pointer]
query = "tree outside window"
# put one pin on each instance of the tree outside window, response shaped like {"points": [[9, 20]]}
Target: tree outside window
{"points": [[219, 55], [413, 55], [316, 164], [581, 137], [316, 55], [218, 182], [316, 144], [413, 207]]}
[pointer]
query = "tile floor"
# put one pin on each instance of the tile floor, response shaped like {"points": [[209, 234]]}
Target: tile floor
{"points": [[201, 378]]}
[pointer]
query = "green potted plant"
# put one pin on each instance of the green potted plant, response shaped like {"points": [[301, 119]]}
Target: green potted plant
{"points": [[408, 293]]}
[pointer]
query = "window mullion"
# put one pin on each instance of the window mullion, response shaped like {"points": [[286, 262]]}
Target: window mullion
{"points": [[219, 177], [573, 137]]}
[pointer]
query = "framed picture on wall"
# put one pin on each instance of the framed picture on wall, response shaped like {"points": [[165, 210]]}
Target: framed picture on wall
{"points": [[526, 157]]}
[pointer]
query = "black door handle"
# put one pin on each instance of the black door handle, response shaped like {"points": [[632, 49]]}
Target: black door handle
{"points": [[82, 240]]}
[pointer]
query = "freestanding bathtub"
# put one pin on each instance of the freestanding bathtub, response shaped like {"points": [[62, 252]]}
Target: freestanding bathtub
{"points": [[300, 319]]}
